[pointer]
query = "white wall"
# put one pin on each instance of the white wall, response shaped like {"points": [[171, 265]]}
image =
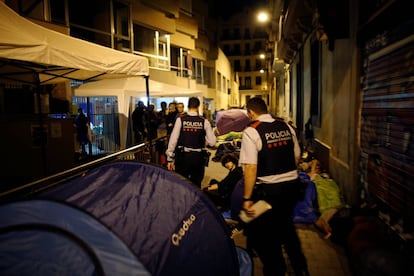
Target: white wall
{"points": [[339, 113]]}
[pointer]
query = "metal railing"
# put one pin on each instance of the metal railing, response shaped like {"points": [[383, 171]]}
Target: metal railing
{"points": [[149, 152]]}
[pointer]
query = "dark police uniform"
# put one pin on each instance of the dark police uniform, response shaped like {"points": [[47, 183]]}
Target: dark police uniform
{"points": [[187, 143], [273, 146]]}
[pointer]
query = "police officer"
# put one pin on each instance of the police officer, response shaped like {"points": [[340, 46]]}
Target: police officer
{"points": [[186, 146], [269, 154]]}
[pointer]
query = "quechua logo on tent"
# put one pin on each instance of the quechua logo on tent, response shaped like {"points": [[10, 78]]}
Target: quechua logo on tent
{"points": [[177, 237]]}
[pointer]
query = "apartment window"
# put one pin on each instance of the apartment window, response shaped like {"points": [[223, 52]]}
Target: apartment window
{"points": [[237, 51], [218, 81], [248, 67], [258, 47], [236, 33], [246, 33], [226, 49], [184, 64], [164, 52], [208, 76], [175, 57], [121, 26], [247, 51], [198, 72], [153, 45], [237, 66], [36, 10], [92, 22], [248, 82], [259, 32], [144, 39], [258, 65], [226, 34], [57, 12], [258, 80]]}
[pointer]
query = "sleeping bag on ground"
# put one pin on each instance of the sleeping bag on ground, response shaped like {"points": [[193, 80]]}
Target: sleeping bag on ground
{"points": [[328, 193], [168, 222], [305, 211]]}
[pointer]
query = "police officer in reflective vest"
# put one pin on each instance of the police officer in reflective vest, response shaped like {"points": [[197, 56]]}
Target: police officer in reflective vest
{"points": [[269, 154], [186, 151]]}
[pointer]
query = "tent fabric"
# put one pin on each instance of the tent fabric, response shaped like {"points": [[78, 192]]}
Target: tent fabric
{"points": [[245, 261], [28, 50], [170, 225], [231, 120], [40, 237]]}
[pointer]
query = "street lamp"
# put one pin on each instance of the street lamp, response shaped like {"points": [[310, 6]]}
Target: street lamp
{"points": [[262, 16]]}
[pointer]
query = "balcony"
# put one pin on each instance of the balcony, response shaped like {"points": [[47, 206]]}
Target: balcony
{"points": [[245, 87]]}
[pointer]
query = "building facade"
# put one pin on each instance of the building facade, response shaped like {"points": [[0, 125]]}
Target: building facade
{"points": [[172, 35], [243, 40], [348, 71]]}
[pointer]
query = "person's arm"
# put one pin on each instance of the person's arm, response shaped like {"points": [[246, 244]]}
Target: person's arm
{"points": [[250, 172], [251, 144], [296, 144], [172, 144], [211, 139]]}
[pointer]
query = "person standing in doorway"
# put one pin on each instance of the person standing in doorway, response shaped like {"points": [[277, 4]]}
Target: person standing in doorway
{"points": [[162, 118], [139, 121], [81, 123], [269, 155], [152, 122], [186, 151]]}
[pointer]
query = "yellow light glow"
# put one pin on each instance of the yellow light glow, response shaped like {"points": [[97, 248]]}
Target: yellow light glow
{"points": [[263, 17]]}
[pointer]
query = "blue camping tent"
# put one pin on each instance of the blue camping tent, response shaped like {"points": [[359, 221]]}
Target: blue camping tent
{"points": [[170, 225], [40, 237]]}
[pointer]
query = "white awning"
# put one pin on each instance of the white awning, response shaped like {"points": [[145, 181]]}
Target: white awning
{"points": [[30, 53], [126, 88]]}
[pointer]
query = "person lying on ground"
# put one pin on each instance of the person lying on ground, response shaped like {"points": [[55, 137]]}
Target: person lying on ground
{"points": [[307, 209]]}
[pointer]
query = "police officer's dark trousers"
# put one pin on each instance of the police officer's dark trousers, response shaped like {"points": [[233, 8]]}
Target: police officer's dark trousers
{"points": [[190, 165], [274, 229]]}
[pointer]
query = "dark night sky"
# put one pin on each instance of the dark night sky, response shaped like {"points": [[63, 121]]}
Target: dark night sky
{"points": [[229, 7]]}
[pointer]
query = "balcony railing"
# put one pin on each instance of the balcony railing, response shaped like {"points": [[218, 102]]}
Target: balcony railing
{"points": [[245, 87]]}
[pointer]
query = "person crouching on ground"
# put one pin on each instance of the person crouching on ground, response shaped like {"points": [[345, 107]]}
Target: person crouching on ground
{"points": [[220, 191]]}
